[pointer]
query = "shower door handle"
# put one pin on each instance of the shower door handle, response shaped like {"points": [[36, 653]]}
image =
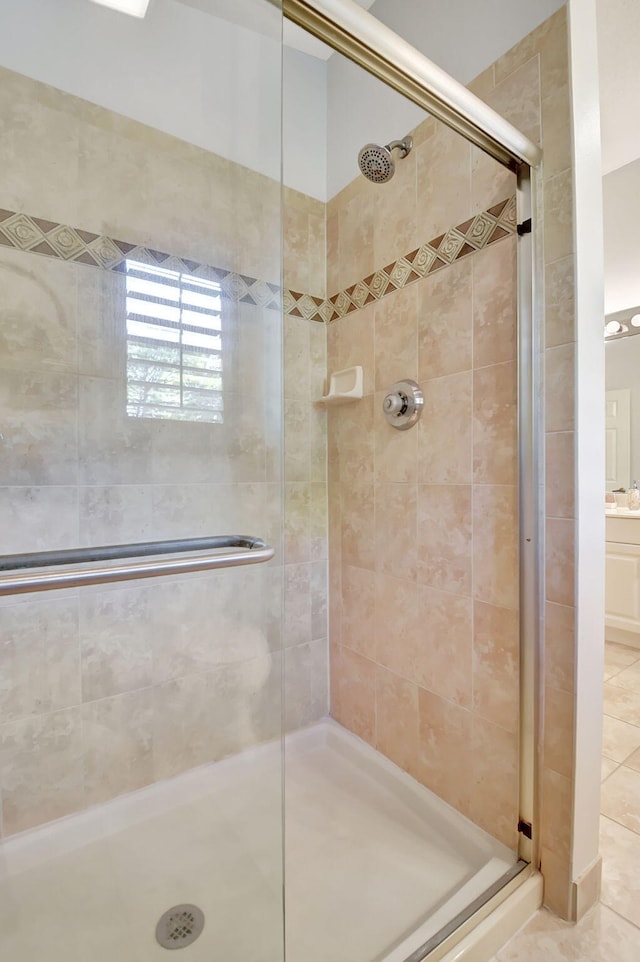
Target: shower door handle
{"points": [[75, 561]]}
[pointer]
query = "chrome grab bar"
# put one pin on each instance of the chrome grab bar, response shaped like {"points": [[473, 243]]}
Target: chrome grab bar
{"points": [[255, 551]]}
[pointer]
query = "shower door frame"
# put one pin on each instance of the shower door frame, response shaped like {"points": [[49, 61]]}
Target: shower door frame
{"points": [[357, 34]]}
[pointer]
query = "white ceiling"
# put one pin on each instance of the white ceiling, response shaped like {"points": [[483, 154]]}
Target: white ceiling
{"points": [[618, 47]]}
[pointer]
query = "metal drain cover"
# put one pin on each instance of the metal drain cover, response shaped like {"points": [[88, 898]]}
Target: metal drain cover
{"points": [[179, 926]]}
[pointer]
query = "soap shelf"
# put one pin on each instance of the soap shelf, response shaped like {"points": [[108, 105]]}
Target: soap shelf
{"points": [[344, 387]]}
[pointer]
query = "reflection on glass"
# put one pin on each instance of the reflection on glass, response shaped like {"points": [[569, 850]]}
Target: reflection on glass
{"points": [[174, 345]]}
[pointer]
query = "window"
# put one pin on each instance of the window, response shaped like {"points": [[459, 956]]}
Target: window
{"points": [[174, 345]]}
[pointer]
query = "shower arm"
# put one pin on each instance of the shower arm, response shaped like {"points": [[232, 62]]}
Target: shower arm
{"points": [[78, 574], [401, 145]]}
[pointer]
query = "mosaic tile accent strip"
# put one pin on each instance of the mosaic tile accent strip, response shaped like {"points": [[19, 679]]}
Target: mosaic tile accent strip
{"points": [[78, 246], [38, 236], [473, 235]]}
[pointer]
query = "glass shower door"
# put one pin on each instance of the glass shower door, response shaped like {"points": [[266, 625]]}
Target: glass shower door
{"points": [[140, 377]]}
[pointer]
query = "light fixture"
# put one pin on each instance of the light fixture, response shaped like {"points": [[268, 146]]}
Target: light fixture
{"points": [[612, 327], [635, 320], [136, 8]]}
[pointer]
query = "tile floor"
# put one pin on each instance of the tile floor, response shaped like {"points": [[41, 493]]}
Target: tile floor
{"points": [[611, 930]]}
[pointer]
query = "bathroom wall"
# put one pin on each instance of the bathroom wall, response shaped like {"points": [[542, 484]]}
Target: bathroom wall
{"points": [[108, 689], [622, 364], [408, 511], [621, 193]]}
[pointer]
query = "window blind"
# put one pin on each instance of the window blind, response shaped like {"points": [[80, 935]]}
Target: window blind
{"points": [[174, 345]]}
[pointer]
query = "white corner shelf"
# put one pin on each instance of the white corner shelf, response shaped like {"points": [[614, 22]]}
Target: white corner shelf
{"points": [[345, 387]]}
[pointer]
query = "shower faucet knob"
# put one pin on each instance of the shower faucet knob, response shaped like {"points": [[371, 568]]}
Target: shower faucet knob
{"points": [[393, 404], [402, 406]]}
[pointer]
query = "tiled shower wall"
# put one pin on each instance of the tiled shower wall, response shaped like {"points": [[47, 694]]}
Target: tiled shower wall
{"points": [[424, 646], [305, 467], [423, 620], [108, 689]]}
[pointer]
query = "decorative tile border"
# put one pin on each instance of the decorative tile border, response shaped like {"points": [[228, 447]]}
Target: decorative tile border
{"points": [[473, 235], [38, 236]]}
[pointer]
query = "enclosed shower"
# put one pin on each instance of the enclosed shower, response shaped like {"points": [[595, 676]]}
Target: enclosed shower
{"points": [[264, 688]]}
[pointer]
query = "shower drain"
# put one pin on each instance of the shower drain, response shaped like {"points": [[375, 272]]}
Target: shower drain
{"points": [[179, 926]]}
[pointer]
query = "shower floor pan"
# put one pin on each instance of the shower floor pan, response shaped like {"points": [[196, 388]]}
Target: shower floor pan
{"points": [[375, 864]]}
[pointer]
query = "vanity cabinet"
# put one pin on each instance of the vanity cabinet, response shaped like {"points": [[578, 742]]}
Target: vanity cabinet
{"points": [[622, 590]]}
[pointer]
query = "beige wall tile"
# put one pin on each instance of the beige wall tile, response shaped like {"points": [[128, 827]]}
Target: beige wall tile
{"points": [[516, 97], [395, 527], [353, 689], [38, 312], [445, 749], [116, 514], [38, 518], [296, 358], [445, 430], [560, 550], [496, 679], [354, 427], [558, 220], [358, 610], [559, 647], [444, 537], [559, 392], [296, 248], [445, 321], [556, 812], [444, 182], [319, 680], [116, 643], [559, 302], [494, 302], [39, 428], [355, 344], [116, 735], [556, 130], [297, 604], [557, 882], [41, 762], [490, 181], [297, 456], [494, 768], [396, 624], [558, 727], [560, 475], [443, 645], [296, 528], [319, 599], [396, 333], [39, 669], [358, 533], [397, 719], [356, 236], [495, 545], [494, 424], [396, 225]]}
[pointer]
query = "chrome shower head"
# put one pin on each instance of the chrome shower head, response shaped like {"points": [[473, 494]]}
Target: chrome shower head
{"points": [[378, 164]]}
